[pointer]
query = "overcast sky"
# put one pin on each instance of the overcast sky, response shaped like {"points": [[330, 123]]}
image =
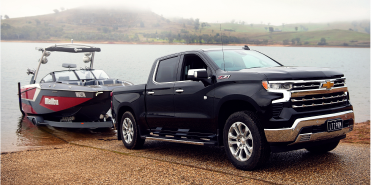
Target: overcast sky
{"points": [[275, 12]]}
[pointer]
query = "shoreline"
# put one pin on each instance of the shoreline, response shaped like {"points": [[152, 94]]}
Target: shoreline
{"points": [[163, 43]]}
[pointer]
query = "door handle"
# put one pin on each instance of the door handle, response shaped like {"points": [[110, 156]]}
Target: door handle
{"points": [[179, 90], [150, 92]]}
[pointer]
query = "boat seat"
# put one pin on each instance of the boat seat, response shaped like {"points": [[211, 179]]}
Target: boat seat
{"points": [[63, 78], [91, 82], [74, 83], [106, 82]]}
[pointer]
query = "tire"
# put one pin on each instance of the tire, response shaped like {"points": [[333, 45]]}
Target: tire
{"points": [[129, 132], [34, 121], [323, 148], [244, 141]]}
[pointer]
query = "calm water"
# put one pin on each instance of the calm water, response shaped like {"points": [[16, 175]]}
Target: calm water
{"points": [[133, 63]]}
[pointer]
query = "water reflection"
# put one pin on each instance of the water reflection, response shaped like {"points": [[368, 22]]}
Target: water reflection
{"points": [[31, 136]]}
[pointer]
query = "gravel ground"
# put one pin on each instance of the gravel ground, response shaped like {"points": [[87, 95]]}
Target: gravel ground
{"points": [[106, 160], [73, 164]]}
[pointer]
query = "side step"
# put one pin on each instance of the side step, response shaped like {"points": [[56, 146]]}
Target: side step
{"points": [[185, 141]]}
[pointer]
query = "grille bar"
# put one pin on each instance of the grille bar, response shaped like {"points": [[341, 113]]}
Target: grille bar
{"points": [[322, 98], [323, 103]]}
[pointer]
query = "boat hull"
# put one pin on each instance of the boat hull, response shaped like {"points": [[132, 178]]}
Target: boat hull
{"points": [[62, 105]]}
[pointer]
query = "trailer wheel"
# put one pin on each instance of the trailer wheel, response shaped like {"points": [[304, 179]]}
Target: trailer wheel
{"points": [[34, 121], [244, 141], [129, 132]]}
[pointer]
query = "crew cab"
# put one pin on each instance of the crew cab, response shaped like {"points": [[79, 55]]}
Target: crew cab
{"points": [[237, 98]]}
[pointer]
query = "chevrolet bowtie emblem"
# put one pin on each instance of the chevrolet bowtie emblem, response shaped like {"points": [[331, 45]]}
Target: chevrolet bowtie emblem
{"points": [[328, 85]]}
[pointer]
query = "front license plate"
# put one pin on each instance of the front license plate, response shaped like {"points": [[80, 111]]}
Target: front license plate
{"points": [[334, 125]]}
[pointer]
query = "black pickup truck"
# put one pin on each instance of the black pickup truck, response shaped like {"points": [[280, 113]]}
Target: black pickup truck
{"points": [[237, 98]]}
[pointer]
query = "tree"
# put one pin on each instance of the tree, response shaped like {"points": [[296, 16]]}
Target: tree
{"points": [[293, 41], [56, 11], [265, 28], [197, 24], [106, 30], [323, 42], [297, 40], [286, 42], [6, 16], [37, 21], [296, 28], [62, 8]]}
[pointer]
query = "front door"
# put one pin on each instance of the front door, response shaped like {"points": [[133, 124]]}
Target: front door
{"points": [[193, 100]]}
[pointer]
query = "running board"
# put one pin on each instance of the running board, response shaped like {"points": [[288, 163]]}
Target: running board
{"points": [[193, 142]]}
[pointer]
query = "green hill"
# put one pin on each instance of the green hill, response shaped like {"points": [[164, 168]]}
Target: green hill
{"points": [[143, 26]]}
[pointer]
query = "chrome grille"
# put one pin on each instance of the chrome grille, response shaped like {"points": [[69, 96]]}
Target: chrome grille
{"points": [[320, 100], [306, 86], [339, 82], [299, 85]]}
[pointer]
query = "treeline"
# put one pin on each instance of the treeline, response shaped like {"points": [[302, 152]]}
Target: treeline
{"points": [[193, 38], [40, 32]]}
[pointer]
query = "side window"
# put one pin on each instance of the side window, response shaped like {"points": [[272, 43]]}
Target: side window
{"points": [[166, 71], [47, 78], [192, 61]]}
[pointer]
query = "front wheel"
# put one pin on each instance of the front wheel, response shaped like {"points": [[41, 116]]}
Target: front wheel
{"points": [[129, 132], [244, 142]]}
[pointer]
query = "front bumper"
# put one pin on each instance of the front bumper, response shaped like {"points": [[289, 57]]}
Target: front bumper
{"points": [[294, 134]]}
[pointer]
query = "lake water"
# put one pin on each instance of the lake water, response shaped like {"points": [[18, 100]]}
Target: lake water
{"points": [[133, 63]]}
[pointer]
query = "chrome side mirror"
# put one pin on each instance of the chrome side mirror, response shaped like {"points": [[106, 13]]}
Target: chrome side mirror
{"points": [[197, 74]]}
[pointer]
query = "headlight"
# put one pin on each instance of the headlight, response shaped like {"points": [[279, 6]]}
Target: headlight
{"points": [[276, 86]]}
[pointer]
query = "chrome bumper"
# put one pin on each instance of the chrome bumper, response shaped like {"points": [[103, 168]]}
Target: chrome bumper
{"points": [[292, 134]]}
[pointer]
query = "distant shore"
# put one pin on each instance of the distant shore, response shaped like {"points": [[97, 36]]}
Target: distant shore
{"points": [[176, 43]]}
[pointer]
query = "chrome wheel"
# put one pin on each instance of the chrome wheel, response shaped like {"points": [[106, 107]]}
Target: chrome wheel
{"points": [[127, 130], [240, 141]]}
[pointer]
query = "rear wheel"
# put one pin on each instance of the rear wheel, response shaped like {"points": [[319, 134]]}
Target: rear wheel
{"points": [[323, 148], [244, 142], [129, 132]]}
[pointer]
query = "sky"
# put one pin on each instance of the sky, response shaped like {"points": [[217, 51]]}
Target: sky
{"points": [[274, 12]]}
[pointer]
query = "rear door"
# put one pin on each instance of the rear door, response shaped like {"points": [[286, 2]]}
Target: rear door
{"points": [[160, 93]]}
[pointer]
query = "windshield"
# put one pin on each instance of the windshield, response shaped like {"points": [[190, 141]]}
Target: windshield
{"points": [[85, 75], [65, 75], [236, 60], [100, 74]]}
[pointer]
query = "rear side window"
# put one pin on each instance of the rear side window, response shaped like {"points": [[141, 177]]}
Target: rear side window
{"points": [[166, 71]]}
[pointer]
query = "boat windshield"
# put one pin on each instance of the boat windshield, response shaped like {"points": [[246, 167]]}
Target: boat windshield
{"points": [[85, 75], [100, 74], [65, 75], [235, 60]]}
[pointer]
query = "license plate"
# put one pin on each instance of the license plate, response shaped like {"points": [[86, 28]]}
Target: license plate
{"points": [[334, 125]]}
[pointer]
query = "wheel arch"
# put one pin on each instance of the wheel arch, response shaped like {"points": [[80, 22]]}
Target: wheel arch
{"points": [[121, 111], [231, 105]]}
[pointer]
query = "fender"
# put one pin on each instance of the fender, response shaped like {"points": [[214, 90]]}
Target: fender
{"points": [[133, 102]]}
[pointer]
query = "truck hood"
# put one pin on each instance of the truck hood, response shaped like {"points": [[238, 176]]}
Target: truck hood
{"points": [[295, 73]]}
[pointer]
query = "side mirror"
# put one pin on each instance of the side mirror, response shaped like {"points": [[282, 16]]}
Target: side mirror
{"points": [[197, 74]]}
